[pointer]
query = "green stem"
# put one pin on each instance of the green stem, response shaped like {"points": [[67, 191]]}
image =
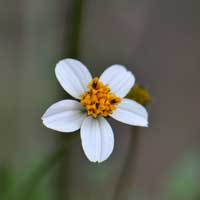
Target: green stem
{"points": [[126, 178], [73, 43]]}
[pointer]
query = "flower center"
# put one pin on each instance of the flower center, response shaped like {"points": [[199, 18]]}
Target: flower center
{"points": [[99, 100]]}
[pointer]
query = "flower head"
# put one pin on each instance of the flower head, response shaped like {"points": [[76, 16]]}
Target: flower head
{"points": [[139, 94], [98, 98]]}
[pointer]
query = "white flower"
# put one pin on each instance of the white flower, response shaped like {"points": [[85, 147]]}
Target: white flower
{"points": [[97, 99]]}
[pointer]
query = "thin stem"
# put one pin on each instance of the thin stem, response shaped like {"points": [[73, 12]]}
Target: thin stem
{"points": [[64, 169], [73, 43], [126, 178], [73, 40]]}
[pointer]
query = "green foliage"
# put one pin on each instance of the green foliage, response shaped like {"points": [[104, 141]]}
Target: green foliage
{"points": [[184, 182], [11, 182], [7, 180]]}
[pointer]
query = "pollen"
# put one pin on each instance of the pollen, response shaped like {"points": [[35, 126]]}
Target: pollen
{"points": [[99, 100]]}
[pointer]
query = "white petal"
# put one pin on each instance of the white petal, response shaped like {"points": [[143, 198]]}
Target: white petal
{"points": [[97, 139], [73, 76], [64, 116], [118, 79], [131, 112]]}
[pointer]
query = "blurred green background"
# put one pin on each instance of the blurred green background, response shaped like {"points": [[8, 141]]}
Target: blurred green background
{"points": [[158, 40]]}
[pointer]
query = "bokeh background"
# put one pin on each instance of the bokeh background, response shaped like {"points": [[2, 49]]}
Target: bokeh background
{"points": [[158, 40]]}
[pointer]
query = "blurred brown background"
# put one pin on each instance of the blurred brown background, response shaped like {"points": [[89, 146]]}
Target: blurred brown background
{"points": [[158, 40]]}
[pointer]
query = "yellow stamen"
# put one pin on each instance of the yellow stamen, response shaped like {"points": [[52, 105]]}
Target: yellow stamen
{"points": [[99, 100]]}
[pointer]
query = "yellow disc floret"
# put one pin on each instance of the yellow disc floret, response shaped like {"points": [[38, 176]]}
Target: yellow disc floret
{"points": [[99, 100]]}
